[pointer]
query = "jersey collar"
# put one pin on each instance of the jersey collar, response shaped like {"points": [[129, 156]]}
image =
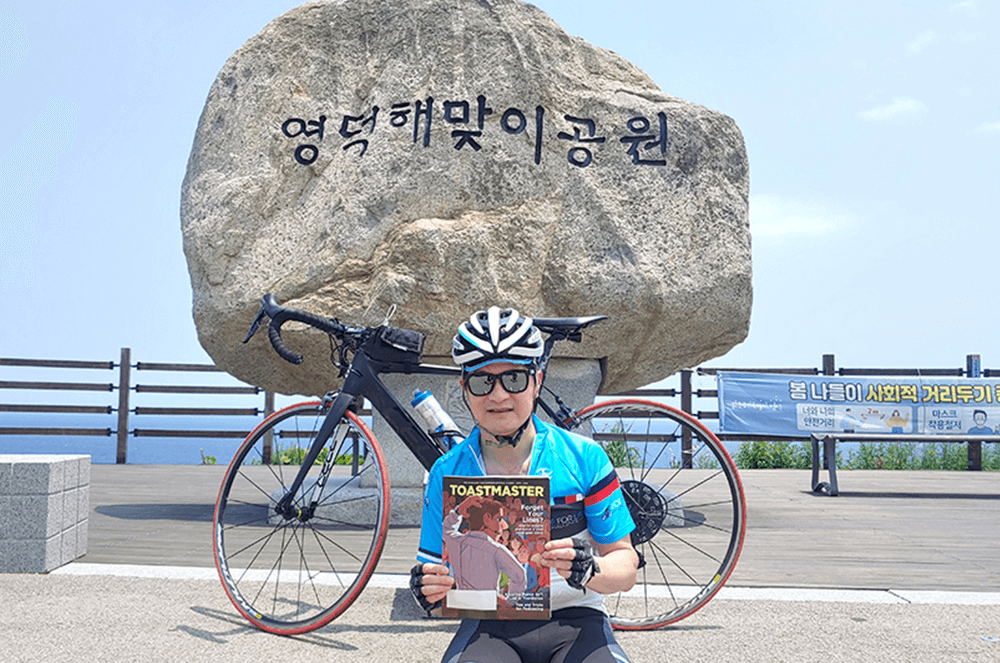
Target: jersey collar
{"points": [[540, 443]]}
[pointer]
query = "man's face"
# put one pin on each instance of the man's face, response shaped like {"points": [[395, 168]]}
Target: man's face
{"points": [[499, 411]]}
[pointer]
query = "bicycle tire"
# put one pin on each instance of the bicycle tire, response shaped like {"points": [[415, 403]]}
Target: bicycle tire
{"points": [[296, 573], [690, 516]]}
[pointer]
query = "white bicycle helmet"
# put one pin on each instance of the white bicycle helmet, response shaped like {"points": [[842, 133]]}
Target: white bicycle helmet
{"points": [[496, 335]]}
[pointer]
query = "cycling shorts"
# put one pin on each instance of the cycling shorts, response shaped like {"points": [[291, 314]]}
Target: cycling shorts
{"points": [[573, 635]]}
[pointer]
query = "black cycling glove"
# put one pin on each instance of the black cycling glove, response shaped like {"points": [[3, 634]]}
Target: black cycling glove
{"points": [[416, 587], [584, 565]]}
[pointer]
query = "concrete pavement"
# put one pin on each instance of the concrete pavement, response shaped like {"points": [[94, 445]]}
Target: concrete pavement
{"points": [[902, 566]]}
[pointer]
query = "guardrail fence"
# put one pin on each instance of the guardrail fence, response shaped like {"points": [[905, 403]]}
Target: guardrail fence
{"points": [[257, 403], [124, 371]]}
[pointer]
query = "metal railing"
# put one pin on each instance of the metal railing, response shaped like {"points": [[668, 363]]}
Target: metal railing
{"points": [[124, 370], [122, 405]]}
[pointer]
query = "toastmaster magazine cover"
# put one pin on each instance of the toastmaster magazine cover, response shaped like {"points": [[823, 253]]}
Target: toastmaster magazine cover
{"points": [[495, 530]]}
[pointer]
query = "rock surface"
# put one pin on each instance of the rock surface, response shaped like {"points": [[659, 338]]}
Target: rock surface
{"points": [[359, 153]]}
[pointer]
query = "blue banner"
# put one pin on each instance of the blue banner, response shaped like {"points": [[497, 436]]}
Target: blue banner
{"points": [[799, 405]]}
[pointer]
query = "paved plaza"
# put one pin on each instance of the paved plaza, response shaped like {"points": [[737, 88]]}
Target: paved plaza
{"points": [[902, 566]]}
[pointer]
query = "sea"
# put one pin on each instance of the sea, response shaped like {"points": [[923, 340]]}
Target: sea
{"points": [[156, 450], [141, 450]]}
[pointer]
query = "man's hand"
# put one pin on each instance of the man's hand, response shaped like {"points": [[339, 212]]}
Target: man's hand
{"points": [[573, 559], [429, 584]]}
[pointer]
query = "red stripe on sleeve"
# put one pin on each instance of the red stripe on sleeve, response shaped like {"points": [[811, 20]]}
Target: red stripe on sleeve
{"points": [[604, 494]]}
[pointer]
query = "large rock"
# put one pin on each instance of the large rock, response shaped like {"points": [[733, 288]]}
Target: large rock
{"points": [[297, 185]]}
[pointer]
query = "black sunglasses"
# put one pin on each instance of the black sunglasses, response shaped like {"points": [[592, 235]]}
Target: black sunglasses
{"points": [[514, 381]]}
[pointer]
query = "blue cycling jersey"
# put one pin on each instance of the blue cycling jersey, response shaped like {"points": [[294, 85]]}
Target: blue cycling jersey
{"points": [[585, 497]]}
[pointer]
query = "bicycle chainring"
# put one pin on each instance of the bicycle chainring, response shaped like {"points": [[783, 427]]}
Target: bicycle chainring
{"points": [[647, 508]]}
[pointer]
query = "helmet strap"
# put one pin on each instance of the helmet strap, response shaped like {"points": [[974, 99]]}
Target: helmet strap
{"points": [[512, 440]]}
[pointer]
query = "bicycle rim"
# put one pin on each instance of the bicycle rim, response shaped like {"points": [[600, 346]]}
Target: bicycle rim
{"points": [[685, 496], [296, 572]]}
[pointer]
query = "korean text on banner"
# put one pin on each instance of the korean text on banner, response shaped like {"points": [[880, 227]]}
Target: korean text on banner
{"points": [[799, 405]]}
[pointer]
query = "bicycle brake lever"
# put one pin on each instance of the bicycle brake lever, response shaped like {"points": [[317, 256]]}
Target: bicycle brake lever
{"points": [[261, 314]]}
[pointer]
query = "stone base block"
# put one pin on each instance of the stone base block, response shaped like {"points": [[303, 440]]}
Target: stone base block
{"points": [[44, 506]]}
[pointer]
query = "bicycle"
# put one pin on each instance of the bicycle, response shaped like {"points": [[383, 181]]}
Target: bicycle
{"points": [[299, 528]]}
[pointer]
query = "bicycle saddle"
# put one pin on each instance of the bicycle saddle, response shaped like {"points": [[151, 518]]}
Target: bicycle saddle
{"points": [[550, 325]]}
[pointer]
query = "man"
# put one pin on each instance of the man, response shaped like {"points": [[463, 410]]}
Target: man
{"points": [[477, 557], [499, 352]]}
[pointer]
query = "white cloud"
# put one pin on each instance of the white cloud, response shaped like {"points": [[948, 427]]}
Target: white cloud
{"points": [[775, 215], [922, 41], [13, 44], [989, 128], [967, 5], [899, 108]]}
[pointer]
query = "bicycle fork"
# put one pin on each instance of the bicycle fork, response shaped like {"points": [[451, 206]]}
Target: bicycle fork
{"points": [[286, 507]]}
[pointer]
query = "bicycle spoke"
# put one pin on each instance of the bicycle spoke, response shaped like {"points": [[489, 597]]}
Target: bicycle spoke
{"points": [[304, 564], [272, 559], [707, 554], [264, 540], [341, 548], [251, 521], [663, 574], [687, 503], [255, 485], [700, 483]]}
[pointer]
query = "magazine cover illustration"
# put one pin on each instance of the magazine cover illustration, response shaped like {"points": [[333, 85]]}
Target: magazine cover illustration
{"points": [[495, 530]]}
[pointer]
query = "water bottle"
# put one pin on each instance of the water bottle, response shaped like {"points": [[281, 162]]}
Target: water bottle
{"points": [[435, 419]]}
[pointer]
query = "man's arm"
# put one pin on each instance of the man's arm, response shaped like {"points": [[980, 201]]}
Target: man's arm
{"points": [[618, 564]]}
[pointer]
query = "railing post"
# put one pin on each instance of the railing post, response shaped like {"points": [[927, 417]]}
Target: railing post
{"points": [[123, 389], [973, 369], [686, 405], [269, 434], [829, 368]]}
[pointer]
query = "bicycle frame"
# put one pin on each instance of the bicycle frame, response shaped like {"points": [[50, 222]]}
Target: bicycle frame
{"points": [[362, 381]]}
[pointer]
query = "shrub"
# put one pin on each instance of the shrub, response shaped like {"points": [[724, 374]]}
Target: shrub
{"points": [[621, 455], [923, 456], [768, 454], [991, 457], [295, 456], [772, 454]]}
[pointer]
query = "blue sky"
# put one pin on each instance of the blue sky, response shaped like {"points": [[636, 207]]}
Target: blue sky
{"points": [[872, 127]]}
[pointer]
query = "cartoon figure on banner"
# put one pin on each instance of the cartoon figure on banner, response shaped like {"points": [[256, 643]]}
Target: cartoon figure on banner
{"points": [[849, 422], [979, 416], [896, 423]]}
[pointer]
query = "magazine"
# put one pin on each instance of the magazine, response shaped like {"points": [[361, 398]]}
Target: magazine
{"points": [[495, 530]]}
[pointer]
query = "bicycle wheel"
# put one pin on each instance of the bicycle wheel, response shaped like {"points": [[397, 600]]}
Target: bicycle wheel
{"points": [[296, 571], [685, 496]]}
